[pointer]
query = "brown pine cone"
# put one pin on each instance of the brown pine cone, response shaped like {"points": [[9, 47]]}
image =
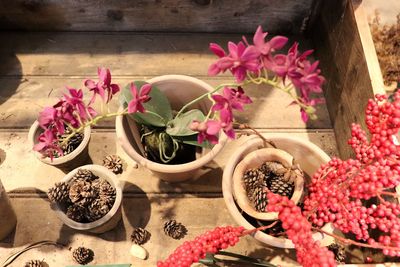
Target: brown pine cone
{"points": [[59, 193], [113, 163], [174, 229], [140, 236], [97, 209], [84, 174], [81, 192], [83, 255], [34, 263], [107, 193], [77, 213]]}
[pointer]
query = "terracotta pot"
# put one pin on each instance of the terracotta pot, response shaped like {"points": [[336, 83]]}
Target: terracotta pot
{"points": [[76, 158], [307, 155], [111, 219], [254, 160], [180, 90], [8, 218]]}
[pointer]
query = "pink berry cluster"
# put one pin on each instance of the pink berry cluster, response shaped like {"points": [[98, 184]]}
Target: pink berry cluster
{"points": [[298, 229], [338, 188], [210, 242]]}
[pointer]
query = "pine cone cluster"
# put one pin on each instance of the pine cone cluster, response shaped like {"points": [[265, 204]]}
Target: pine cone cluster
{"points": [[174, 229], [339, 251], [83, 255], [270, 175], [72, 143], [86, 197], [140, 236], [34, 263], [113, 163]]}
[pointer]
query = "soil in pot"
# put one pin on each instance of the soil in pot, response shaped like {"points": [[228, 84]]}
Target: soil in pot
{"points": [[270, 175], [85, 198], [154, 138]]}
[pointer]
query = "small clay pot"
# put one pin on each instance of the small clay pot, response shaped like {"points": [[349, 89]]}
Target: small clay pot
{"points": [[76, 158], [254, 160], [179, 90], [108, 221]]}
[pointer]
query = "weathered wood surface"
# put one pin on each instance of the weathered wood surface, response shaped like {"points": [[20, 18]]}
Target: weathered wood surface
{"points": [[343, 61], [32, 175], [23, 98], [160, 15], [197, 214]]}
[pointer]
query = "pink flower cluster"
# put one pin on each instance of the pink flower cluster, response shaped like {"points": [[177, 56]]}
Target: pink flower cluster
{"points": [[309, 253], [210, 242], [244, 59], [71, 112], [231, 99], [338, 188]]}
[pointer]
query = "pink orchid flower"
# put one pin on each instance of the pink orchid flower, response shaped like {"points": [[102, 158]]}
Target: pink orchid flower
{"points": [[50, 117], [206, 130], [102, 86], [47, 144], [230, 99], [136, 104], [75, 100], [265, 48], [239, 60], [227, 123]]}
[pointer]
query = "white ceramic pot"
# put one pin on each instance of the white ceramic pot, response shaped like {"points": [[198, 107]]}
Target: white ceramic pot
{"points": [[179, 89], [307, 155], [111, 219], [254, 160], [68, 162]]}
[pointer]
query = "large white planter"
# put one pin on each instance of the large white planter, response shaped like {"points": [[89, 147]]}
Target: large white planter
{"points": [[111, 219], [179, 89], [307, 155], [68, 162]]}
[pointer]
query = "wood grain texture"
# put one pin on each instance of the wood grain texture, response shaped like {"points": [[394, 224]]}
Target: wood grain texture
{"points": [[343, 61], [283, 16]]}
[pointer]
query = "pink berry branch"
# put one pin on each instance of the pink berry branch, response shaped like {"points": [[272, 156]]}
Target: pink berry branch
{"points": [[71, 115]]}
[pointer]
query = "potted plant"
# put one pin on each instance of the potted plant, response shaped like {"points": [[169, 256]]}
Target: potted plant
{"points": [[88, 198], [167, 118], [357, 196]]}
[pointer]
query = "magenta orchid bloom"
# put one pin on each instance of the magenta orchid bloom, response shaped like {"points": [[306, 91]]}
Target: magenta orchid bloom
{"points": [[136, 104], [265, 48], [50, 117], [47, 144], [102, 86], [75, 100], [227, 123], [230, 99], [240, 60], [206, 130]]}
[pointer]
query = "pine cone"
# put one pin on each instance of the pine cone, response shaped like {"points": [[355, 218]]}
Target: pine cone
{"points": [[140, 236], [81, 192], [174, 229], [339, 251], [106, 191], [279, 186], [34, 263], [259, 199], [86, 175], [59, 192], [72, 143], [83, 255], [97, 209], [77, 213], [272, 168], [113, 163], [253, 178]]}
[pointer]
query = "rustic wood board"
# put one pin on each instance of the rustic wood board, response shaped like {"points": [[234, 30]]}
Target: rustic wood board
{"points": [[30, 174], [132, 54], [197, 214], [160, 15], [22, 99]]}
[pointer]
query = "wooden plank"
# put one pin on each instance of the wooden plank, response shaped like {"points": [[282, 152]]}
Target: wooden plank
{"points": [[19, 175], [197, 214], [22, 99], [342, 56], [166, 15], [127, 54]]}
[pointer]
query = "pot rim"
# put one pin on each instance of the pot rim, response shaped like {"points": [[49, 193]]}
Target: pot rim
{"points": [[57, 161], [103, 173], [166, 168], [227, 191]]}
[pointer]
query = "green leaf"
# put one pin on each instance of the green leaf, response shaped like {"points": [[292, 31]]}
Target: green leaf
{"points": [[180, 126], [158, 104], [192, 140]]}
